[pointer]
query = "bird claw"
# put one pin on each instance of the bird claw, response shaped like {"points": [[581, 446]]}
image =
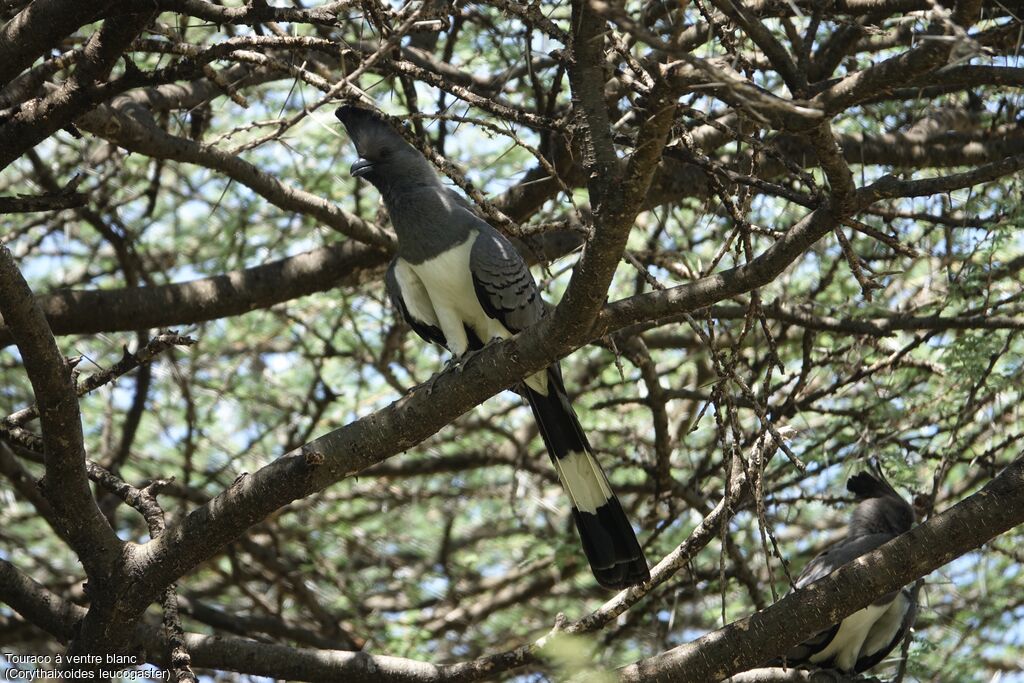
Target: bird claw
{"points": [[458, 364], [433, 380], [448, 365]]}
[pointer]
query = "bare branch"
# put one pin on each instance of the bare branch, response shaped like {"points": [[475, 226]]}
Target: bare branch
{"points": [[66, 487]]}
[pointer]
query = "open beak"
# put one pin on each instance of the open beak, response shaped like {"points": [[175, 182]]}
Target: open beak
{"points": [[360, 168]]}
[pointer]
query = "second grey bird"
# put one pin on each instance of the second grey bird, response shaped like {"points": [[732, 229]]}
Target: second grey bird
{"points": [[866, 637], [460, 283]]}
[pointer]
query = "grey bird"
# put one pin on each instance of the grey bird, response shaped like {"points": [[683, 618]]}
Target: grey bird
{"points": [[460, 283], [866, 637]]}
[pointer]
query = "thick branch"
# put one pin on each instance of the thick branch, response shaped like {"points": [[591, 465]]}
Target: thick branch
{"points": [[234, 293], [46, 202], [885, 75], [256, 12], [37, 28], [37, 119], [616, 197], [66, 485]]}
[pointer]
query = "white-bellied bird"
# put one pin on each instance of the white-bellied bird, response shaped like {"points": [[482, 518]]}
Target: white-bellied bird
{"points": [[866, 637], [460, 283]]}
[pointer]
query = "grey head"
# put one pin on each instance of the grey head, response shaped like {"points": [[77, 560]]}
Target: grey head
{"points": [[880, 509], [386, 160]]}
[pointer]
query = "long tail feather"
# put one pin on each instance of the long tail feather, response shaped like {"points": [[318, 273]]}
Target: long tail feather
{"points": [[608, 539]]}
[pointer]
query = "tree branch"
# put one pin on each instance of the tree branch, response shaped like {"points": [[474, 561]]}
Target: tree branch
{"points": [[46, 202], [234, 293], [37, 28], [37, 119], [615, 197], [66, 485]]}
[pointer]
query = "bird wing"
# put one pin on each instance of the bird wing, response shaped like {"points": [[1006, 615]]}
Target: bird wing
{"points": [[410, 299], [802, 653], [865, 485], [504, 286], [838, 554]]}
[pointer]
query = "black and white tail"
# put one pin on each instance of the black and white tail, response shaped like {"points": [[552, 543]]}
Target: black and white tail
{"points": [[608, 539]]}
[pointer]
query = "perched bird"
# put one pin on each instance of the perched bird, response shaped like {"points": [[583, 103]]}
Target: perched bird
{"points": [[460, 283], [866, 637]]}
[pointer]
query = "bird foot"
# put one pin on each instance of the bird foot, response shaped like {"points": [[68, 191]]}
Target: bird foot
{"points": [[460, 363], [433, 380], [448, 365], [456, 363]]}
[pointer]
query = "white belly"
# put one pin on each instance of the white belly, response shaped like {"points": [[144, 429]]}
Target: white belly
{"points": [[888, 625], [440, 292], [448, 281], [846, 645]]}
